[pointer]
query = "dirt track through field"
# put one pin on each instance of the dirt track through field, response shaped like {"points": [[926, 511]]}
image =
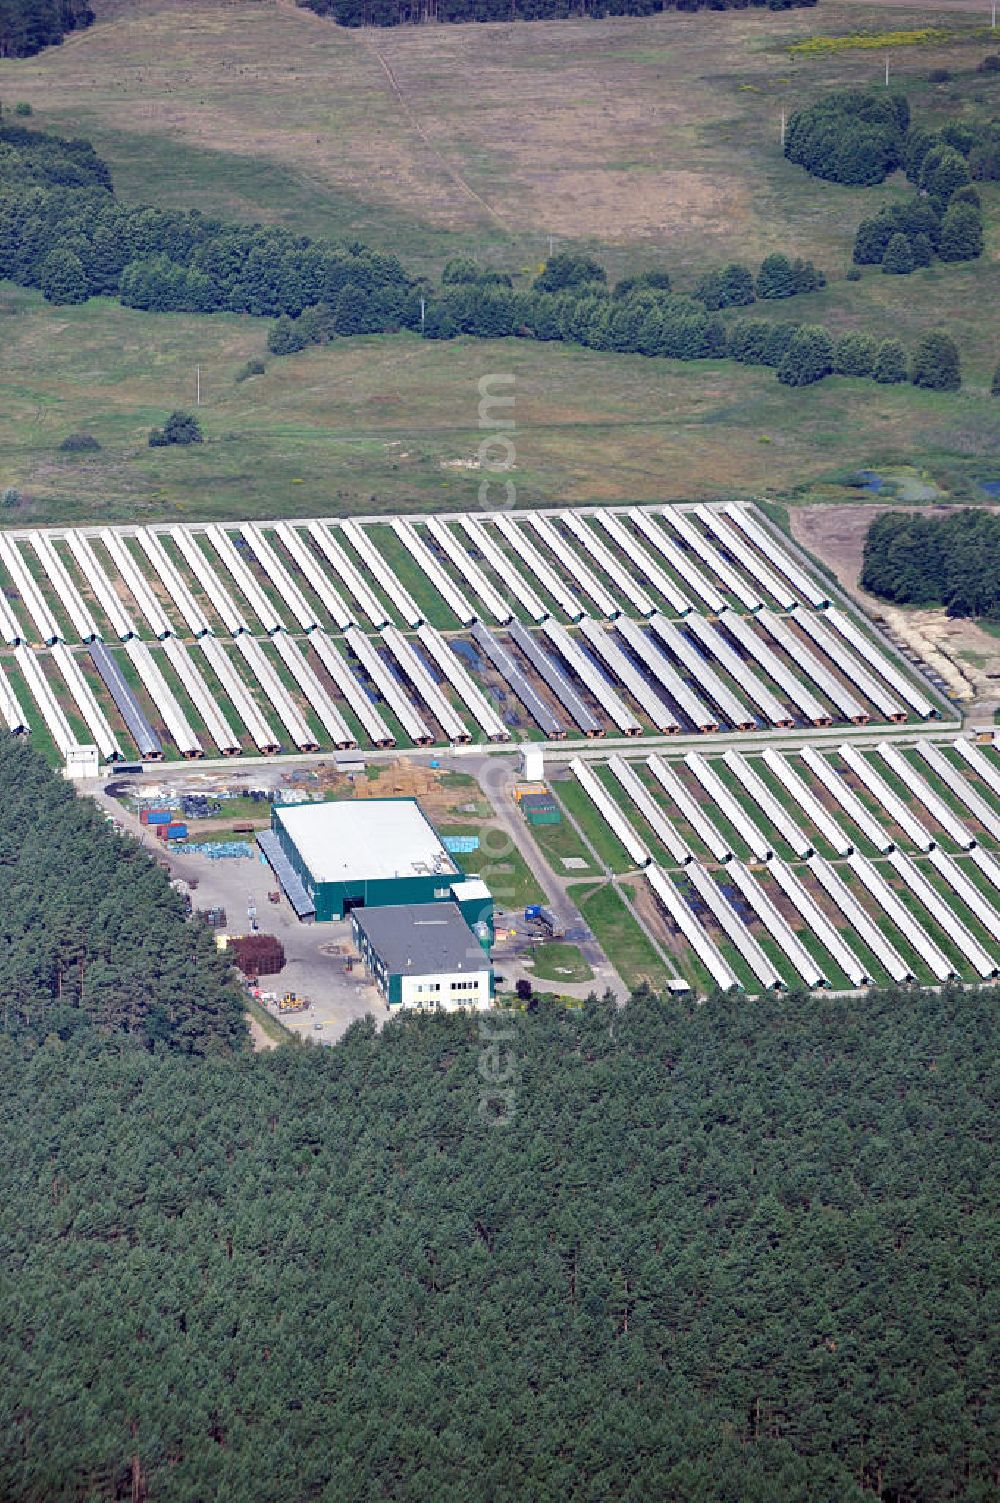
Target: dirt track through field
{"points": [[368, 39]]}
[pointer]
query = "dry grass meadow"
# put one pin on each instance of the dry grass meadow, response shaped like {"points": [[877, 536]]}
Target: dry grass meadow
{"points": [[648, 141]]}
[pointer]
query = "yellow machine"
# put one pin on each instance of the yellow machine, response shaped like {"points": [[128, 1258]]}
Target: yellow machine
{"points": [[291, 1002]]}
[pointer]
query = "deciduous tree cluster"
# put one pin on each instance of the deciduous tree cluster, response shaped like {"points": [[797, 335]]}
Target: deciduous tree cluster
{"points": [[26, 26], [952, 561]]}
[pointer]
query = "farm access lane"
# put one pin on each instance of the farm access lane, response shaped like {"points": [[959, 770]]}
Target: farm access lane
{"points": [[496, 779]]}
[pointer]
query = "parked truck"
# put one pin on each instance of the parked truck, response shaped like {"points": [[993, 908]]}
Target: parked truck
{"points": [[537, 913]]}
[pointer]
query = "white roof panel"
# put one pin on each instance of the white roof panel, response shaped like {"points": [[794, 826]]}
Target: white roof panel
{"points": [[371, 840]]}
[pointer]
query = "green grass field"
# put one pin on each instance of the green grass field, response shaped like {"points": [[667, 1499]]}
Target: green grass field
{"points": [[619, 936], [648, 141], [556, 961], [378, 425]]}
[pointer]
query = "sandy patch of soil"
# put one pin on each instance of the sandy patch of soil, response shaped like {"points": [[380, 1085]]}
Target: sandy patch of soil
{"points": [[260, 1038], [966, 657]]}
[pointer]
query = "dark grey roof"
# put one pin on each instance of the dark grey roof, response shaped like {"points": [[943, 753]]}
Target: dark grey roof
{"points": [[416, 939]]}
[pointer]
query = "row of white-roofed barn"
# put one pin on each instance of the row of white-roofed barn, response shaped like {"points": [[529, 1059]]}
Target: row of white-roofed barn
{"points": [[810, 867], [624, 622]]}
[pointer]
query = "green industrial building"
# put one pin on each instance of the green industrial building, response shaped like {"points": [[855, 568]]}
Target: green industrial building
{"points": [[332, 858], [423, 955]]}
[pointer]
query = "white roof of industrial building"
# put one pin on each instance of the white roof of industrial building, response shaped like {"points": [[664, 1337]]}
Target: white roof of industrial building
{"points": [[471, 888], [365, 840]]}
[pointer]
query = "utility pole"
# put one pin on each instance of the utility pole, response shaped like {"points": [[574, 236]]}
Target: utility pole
{"points": [[197, 399], [552, 241], [993, 23], [887, 71], [423, 310]]}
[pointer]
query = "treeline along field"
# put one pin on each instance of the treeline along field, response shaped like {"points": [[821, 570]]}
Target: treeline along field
{"points": [[26, 26], [404, 12], [65, 232]]}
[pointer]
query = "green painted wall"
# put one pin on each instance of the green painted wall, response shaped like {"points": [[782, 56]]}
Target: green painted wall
{"points": [[332, 898]]}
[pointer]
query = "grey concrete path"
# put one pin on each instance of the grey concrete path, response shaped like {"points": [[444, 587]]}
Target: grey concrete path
{"points": [[497, 785]]}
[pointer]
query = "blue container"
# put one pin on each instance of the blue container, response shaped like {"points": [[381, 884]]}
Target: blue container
{"points": [[177, 832], [533, 910], [160, 816]]}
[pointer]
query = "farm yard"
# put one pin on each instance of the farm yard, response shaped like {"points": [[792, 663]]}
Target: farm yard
{"points": [[864, 865], [644, 623]]}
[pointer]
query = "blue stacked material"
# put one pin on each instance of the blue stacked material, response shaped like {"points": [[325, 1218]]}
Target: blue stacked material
{"points": [[460, 845], [218, 850]]}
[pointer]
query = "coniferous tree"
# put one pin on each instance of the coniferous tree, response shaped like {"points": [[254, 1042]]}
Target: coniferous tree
{"points": [[809, 357], [922, 250], [935, 363], [855, 355], [898, 258], [961, 233], [776, 277]]}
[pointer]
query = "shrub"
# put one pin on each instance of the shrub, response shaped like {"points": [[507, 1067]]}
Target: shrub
{"points": [[11, 498], [939, 75], [890, 363], [935, 363], [252, 368], [853, 274], [809, 357], [995, 386], [22, 107], [79, 443], [180, 428], [989, 64], [898, 258], [732, 287]]}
